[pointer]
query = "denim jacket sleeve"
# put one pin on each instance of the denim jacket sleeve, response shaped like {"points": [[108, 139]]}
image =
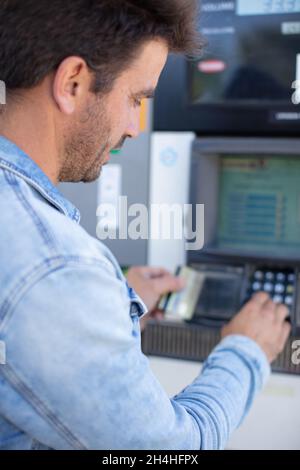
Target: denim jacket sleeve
{"points": [[77, 378]]}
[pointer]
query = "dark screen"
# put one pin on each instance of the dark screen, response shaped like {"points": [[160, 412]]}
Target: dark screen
{"points": [[252, 55]]}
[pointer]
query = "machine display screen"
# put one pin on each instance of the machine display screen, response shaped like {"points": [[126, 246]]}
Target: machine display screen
{"points": [[259, 204], [267, 7], [252, 54], [222, 306]]}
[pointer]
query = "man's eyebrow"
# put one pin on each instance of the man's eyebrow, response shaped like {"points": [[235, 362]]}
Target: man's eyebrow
{"points": [[148, 93]]}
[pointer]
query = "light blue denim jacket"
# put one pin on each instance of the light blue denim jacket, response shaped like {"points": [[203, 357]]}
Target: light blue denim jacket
{"points": [[75, 376]]}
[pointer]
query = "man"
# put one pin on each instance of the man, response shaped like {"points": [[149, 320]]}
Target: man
{"points": [[74, 375]]}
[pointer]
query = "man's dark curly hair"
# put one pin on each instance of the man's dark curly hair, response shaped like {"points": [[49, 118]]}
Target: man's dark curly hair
{"points": [[37, 35]]}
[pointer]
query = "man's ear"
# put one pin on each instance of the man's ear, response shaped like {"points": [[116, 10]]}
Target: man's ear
{"points": [[71, 84]]}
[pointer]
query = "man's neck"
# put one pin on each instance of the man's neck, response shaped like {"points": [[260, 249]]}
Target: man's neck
{"points": [[30, 132]]}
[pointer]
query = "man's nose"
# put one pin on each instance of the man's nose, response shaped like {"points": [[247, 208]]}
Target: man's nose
{"points": [[133, 128]]}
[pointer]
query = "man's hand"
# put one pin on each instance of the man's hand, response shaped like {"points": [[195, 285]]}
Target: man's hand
{"points": [[263, 321], [150, 284]]}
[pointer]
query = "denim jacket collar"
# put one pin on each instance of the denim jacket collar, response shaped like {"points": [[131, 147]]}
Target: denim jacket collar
{"points": [[15, 160]]}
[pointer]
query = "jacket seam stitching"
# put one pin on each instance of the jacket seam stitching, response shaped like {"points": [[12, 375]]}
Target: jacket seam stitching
{"points": [[41, 408], [6, 166], [36, 274], [41, 228]]}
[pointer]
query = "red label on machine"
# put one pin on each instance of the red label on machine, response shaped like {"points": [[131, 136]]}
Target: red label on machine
{"points": [[211, 66]]}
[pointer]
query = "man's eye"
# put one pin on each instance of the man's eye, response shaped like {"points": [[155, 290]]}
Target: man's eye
{"points": [[137, 103]]}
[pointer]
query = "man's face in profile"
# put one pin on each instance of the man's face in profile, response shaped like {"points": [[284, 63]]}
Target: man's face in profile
{"points": [[105, 121]]}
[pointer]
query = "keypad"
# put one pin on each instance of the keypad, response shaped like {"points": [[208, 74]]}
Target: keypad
{"points": [[279, 284]]}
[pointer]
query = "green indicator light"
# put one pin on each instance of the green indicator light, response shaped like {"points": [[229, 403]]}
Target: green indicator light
{"points": [[115, 152]]}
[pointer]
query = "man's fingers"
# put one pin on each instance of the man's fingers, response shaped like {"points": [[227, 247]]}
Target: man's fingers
{"points": [[282, 312], [158, 315], [256, 302], [168, 283], [149, 271], [285, 333], [260, 299], [269, 307]]}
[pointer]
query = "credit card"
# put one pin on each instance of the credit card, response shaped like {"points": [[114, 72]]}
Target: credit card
{"points": [[180, 306]]}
